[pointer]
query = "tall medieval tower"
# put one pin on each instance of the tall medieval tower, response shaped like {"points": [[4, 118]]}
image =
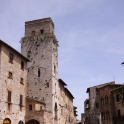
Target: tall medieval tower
{"points": [[40, 46]]}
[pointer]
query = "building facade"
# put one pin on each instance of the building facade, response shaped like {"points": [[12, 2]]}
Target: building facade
{"points": [[98, 109], [67, 111], [117, 95], [13, 80]]}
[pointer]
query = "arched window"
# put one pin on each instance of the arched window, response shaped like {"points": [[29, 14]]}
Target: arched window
{"points": [[7, 121], [20, 122], [32, 121]]}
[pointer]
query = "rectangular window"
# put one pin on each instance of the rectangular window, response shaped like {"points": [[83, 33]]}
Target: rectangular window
{"points": [[10, 75], [21, 100], [119, 113], [97, 105], [10, 57], [117, 98], [22, 65], [9, 96], [33, 33], [21, 81], [123, 96], [38, 72]]}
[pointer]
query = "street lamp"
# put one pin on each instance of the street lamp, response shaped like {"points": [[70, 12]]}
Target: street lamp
{"points": [[122, 63]]}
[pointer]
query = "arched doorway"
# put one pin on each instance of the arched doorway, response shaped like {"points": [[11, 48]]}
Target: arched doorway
{"points": [[7, 121], [32, 121], [20, 122]]}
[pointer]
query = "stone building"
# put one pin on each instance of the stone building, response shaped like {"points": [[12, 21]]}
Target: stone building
{"points": [[13, 80], [98, 108], [117, 95], [36, 110], [40, 46], [67, 110]]}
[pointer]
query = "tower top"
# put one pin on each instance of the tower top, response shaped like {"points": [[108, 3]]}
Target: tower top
{"points": [[39, 21], [39, 26]]}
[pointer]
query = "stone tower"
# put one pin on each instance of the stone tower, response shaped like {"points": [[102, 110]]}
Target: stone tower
{"points": [[41, 47]]}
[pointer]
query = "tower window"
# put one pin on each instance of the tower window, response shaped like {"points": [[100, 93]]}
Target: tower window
{"points": [[9, 96], [10, 75], [54, 69], [10, 57], [33, 33], [41, 31], [47, 84], [55, 110], [21, 100], [21, 81], [38, 72]]}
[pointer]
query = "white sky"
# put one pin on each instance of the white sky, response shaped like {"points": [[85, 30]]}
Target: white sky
{"points": [[90, 35]]}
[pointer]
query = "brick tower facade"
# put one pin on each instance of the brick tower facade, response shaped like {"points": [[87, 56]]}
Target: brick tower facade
{"points": [[41, 47]]}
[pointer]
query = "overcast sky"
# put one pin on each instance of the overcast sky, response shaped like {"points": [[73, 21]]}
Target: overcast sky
{"points": [[90, 35]]}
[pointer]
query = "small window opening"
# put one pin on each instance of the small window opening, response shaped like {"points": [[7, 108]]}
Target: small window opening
{"points": [[40, 108], [10, 57], [30, 107], [10, 75], [119, 113], [97, 105], [47, 84], [9, 96], [41, 31], [33, 33], [102, 101], [38, 72], [55, 110], [22, 65], [54, 69], [61, 112], [21, 81], [21, 100], [117, 98]]}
